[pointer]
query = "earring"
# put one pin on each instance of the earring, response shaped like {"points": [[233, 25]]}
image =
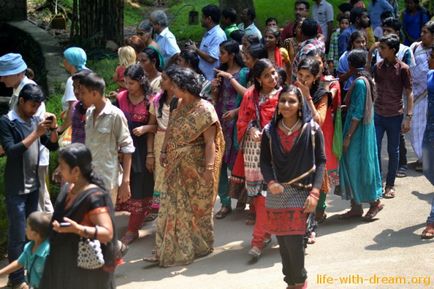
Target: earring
{"points": [[260, 83], [299, 112]]}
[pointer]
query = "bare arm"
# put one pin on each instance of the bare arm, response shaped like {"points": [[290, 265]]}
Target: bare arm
{"points": [[12, 267]]}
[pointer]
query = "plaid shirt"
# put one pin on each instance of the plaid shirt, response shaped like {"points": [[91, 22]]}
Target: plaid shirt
{"points": [[333, 54], [306, 47]]}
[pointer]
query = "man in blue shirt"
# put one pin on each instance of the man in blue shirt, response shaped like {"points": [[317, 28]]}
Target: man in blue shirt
{"points": [[359, 20], [165, 39], [209, 49]]}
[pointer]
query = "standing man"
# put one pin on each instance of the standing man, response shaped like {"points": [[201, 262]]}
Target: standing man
{"points": [[165, 39], [247, 25], [229, 21], [393, 80], [22, 134], [301, 11], [322, 12], [20, 81], [209, 49], [359, 20]]}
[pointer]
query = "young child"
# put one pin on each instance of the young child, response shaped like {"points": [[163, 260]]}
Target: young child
{"points": [[107, 134], [333, 55], [35, 252], [127, 56], [393, 79]]}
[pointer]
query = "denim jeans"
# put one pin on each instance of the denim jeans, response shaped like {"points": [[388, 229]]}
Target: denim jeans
{"points": [[18, 208], [392, 127], [430, 219]]}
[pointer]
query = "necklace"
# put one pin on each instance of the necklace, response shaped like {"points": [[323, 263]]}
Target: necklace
{"points": [[289, 129]]}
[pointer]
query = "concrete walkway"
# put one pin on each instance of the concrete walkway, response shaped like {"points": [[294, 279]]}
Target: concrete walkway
{"points": [[366, 254]]}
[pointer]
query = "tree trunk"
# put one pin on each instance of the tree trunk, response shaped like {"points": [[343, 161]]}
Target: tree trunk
{"points": [[100, 21], [238, 5]]}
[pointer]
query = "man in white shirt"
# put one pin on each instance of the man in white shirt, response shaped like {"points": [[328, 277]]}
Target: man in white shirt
{"points": [[165, 38]]}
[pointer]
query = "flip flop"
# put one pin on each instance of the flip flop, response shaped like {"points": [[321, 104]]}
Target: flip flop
{"points": [[428, 232]]}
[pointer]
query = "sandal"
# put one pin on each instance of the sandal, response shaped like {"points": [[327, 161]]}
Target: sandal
{"points": [[151, 259], [151, 217], [129, 237], [240, 206], [352, 213], [428, 232], [224, 211], [311, 239], [389, 192], [402, 172], [255, 252], [418, 167], [375, 208]]}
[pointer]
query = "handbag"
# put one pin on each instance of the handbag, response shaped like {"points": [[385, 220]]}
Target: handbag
{"points": [[337, 135], [89, 253]]}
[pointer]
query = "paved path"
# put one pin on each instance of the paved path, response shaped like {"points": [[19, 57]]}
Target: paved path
{"points": [[363, 252]]}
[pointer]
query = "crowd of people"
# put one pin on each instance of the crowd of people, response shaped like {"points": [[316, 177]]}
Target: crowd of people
{"points": [[276, 119]]}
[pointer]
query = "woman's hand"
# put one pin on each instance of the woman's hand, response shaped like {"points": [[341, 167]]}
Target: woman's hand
{"points": [[208, 176], [73, 227], [255, 134], [346, 144], [221, 73], [150, 163], [163, 160], [139, 131], [311, 201], [305, 90], [275, 188], [231, 114]]}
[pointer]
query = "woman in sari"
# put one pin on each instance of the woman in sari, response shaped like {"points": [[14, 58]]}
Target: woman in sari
{"points": [[276, 54], [360, 183], [150, 62], [192, 154], [256, 110], [293, 165]]}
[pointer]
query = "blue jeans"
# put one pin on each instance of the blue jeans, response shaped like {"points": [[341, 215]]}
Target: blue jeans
{"points": [[18, 208], [392, 127], [430, 219]]}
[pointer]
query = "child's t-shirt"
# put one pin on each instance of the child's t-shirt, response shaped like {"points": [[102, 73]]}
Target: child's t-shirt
{"points": [[34, 263]]}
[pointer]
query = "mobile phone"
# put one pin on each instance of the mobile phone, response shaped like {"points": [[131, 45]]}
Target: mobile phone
{"points": [[65, 224], [50, 118]]}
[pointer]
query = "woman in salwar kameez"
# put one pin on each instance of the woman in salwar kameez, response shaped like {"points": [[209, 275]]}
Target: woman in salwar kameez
{"points": [[360, 177], [192, 155], [293, 164]]}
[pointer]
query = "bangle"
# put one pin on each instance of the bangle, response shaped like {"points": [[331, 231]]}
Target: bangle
{"points": [[210, 167], [85, 232], [95, 235], [314, 197], [53, 128], [232, 77], [308, 98]]}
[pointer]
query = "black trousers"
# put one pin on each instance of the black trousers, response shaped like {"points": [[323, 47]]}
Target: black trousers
{"points": [[292, 253]]}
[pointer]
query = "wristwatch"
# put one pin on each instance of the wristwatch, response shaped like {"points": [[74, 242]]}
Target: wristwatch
{"points": [[409, 115]]}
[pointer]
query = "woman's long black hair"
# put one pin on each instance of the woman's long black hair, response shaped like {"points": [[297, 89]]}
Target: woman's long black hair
{"points": [[164, 95], [232, 47], [137, 73], [78, 155]]}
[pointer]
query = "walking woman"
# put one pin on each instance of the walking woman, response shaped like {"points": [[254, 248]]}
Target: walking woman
{"points": [[150, 62], [160, 109], [276, 54], [88, 211], [192, 154], [293, 166], [256, 110], [428, 145], [231, 78], [134, 104], [360, 183]]}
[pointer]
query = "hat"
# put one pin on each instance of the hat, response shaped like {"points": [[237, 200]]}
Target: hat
{"points": [[12, 63]]}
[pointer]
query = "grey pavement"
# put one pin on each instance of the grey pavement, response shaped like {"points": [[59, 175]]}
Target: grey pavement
{"points": [[386, 253]]}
